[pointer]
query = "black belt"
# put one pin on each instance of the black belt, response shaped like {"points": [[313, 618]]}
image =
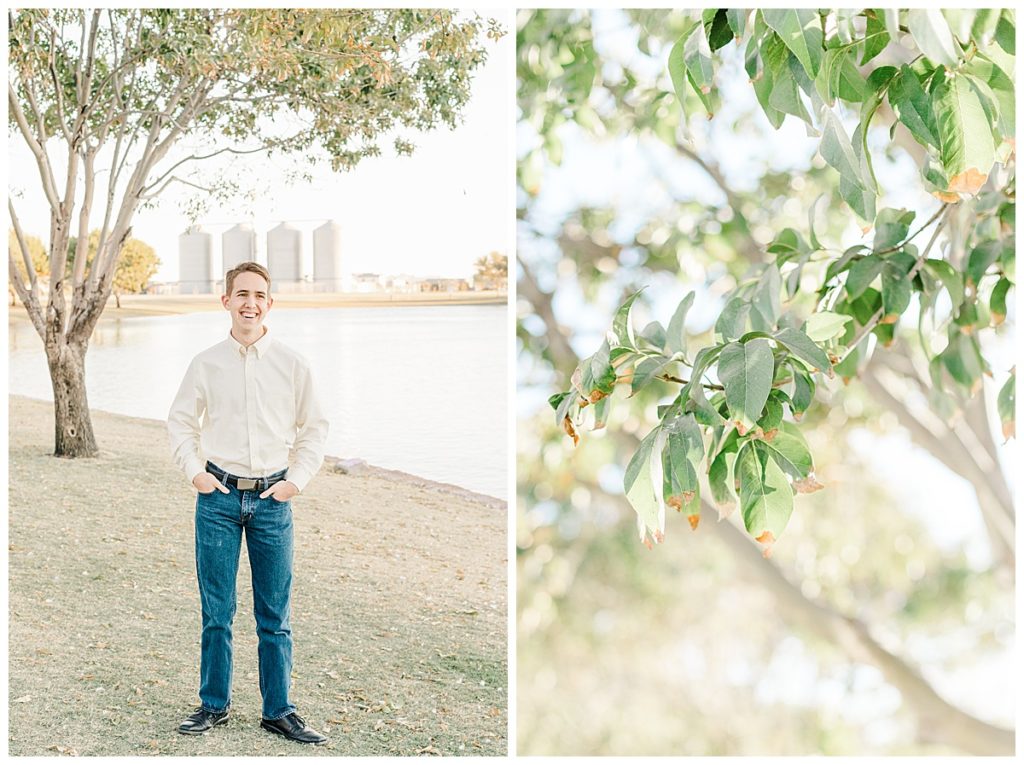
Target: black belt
{"points": [[244, 484]]}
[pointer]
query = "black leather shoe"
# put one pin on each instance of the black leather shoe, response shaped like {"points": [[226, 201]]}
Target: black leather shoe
{"points": [[294, 728], [201, 721]]}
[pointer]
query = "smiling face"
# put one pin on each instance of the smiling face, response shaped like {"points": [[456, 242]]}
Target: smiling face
{"points": [[248, 304]]}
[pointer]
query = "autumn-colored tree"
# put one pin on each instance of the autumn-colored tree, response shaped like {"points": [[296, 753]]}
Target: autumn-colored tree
{"points": [[136, 266], [115, 91], [492, 270], [36, 253]]}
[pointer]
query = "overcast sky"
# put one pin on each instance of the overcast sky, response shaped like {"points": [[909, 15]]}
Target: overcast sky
{"points": [[431, 214]]}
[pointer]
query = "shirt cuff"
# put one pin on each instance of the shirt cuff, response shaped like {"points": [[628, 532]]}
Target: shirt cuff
{"points": [[298, 476], [193, 467]]}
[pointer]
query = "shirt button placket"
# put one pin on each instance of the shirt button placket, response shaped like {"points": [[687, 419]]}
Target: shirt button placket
{"points": [[250, 406]]}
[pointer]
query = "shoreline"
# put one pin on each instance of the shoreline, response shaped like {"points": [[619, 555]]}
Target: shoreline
{"points": [[330, 461], [173, 305]]}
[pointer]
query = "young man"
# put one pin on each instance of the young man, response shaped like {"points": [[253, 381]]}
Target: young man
{"points": [[242, 403]]}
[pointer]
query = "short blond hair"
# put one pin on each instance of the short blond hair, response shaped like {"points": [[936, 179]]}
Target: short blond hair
{"points": [[250, 266]]}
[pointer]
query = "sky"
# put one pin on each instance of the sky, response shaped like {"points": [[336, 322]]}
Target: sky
{"points": [[431, 214]]}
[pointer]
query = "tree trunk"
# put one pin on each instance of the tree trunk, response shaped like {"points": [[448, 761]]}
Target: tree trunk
{"points": [[73, 435]]}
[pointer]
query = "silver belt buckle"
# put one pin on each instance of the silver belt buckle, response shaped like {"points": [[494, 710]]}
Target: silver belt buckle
{"points": [[246, 484]]}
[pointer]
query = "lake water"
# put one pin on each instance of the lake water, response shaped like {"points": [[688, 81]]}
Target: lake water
{"points": [[416, 389]]}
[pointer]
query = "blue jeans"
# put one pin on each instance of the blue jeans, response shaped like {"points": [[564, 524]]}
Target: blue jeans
{"points": [[220, 519]]}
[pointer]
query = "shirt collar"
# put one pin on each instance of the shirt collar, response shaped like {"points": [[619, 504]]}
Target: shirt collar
{"points": [[260, 346]]}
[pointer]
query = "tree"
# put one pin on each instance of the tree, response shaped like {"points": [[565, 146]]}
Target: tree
{"points": [[135, 267], [36, 253], [114, 91], [492, 270], [761, 361]]}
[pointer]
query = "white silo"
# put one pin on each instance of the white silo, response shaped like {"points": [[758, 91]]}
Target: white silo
{"points": [[238, 244], [327, 257], [284, 257], [195, 267]]}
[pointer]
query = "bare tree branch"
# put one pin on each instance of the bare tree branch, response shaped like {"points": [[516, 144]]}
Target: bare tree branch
{"points": [[38, 150], [562, 354], [950, 452]]}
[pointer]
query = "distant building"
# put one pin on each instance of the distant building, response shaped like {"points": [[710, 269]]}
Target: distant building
{"points": [[366, 283], [195, 252], [444, 285], [404, 283], [327, 257]]}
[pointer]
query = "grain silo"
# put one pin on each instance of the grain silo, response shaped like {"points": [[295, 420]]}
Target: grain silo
{"points": [[327, 257], [195, 264], [238, 244], [284, 257]]}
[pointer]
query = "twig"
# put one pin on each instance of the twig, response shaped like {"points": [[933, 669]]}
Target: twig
{"points": [[873, 321]]}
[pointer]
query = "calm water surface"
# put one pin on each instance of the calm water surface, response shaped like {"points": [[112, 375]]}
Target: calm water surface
{"points": [[417, 389]]}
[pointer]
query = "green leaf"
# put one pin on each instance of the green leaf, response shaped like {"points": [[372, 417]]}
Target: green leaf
{"points": [[981, 257], [895, 292], [801, 346], [733, 320], [622, 327], [825, 325], [677, 65], [772, 417], [646, 371], [565, 403], [639, 483], [931, 33], [800, 31], [705, 357], [766, 498], [654, 334], [866, 306], [719, 32], [675, 341], [598, 375], [998, 300], [1006, 405], [891, 17], [985, 22], [837, 150], [746, 371], [787, 243], [767, 300], [963, 360], [839, 76], [721, 473], [684, 450], [967, 149], [791, 452], [862, 273], [875, 38], [913, 107], [601, 412], [697, 55], [984, 69], [703, 410], [803, 391], [783, 93], [950, 279], [891, 227], [737, 20], [860, 195], [764, 81]]}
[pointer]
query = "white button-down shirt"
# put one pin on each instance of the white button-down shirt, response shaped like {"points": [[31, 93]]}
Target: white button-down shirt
{"points": [[243, 409]]}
